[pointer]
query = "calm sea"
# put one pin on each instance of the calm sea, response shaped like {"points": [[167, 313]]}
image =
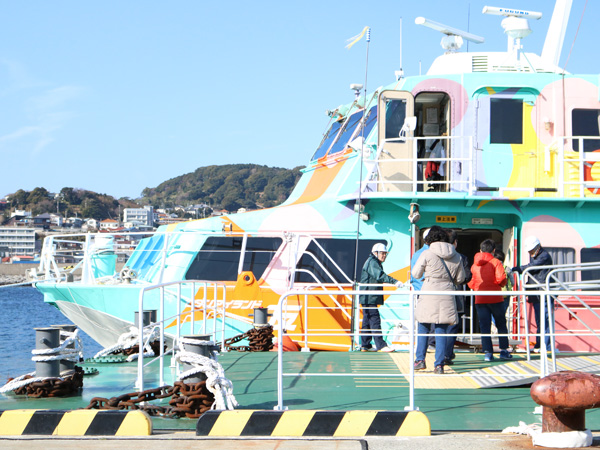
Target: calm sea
{"points": [[23, 309]]}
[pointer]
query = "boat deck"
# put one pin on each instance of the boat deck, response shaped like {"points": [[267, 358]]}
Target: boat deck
{"points": [[451, 402]]}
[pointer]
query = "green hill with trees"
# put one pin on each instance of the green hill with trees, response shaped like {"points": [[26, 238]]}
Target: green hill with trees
{"points": [[229, 187]]}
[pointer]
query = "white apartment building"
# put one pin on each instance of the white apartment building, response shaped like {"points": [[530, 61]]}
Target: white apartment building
{"points": [[18, 240], [140, 216]]}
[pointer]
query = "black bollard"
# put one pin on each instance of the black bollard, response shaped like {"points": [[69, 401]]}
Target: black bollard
{"points": [[47, 338], [261, 317], [203, 347]]}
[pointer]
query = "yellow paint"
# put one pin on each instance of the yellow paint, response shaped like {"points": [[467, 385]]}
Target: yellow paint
{"points": [[231, 423], [75, 423], [355, 423], [483, 203], [490, 90], [415, 424], [293, 423], [136, 423], [13, 423]]}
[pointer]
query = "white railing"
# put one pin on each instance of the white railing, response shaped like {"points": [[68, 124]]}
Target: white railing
{"points": [[411, 375], [570, 176], [415, 180], [217, 309]]}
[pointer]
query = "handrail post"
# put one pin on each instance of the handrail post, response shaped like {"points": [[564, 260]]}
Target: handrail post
{"points": [[222, 317], [161, 362], [279, 406], [305, 349], [542, 337], [140, 378], [411, 352]]}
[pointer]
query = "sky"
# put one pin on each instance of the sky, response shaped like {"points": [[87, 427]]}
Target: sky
{"points": [[116, 96]]}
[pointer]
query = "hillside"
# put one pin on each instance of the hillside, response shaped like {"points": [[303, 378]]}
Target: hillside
{"points": [[228, 187]]}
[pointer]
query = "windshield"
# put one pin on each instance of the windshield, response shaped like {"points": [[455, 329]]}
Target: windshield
{"points": [[327, 140], [346, 134]]}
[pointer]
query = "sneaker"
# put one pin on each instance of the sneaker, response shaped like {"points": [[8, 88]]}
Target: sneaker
{"points": [[438, 370], [488, 357], [504, 354], [386, 349], [367, 349], [448, 361], [420, 365]]}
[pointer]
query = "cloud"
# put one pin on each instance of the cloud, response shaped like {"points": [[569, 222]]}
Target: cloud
{"points": [[45, 110]]}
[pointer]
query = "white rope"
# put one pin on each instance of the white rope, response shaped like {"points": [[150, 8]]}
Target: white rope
{"points": [[51, 354], [216, 382], [567, 439], [132, 338]]}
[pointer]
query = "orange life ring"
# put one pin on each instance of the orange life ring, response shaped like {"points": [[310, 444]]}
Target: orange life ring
{"points": [[587, 174]]}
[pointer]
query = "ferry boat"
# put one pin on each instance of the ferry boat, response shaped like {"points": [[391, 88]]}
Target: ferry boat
{"points": [[499, 145]]}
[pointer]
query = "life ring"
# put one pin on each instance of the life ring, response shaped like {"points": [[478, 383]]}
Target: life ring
{"points": [[587, 174]]}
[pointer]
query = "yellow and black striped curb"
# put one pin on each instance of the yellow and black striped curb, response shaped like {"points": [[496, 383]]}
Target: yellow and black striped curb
{"points": [[313, 423], [81, 422]]}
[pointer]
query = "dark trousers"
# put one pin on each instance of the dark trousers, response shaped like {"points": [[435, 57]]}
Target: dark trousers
{"points": [[535, 302], [371, 323], [486, 311]]}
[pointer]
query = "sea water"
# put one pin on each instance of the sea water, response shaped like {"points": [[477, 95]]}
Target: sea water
{"points": [[23, 309]]}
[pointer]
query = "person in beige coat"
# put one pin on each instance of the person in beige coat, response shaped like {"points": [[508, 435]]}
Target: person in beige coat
{"points": [[437, 310]]}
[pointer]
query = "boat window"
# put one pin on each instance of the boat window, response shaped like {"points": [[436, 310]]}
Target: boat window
{"points": [[219, 257], [562, 256], [327, 140], [346, 133], [341, 251], [395, 113], [506, 121], [585, 123], [589, 255]]}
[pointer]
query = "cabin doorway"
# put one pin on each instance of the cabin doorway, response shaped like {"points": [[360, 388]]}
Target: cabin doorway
{"points": [[432, 110]]}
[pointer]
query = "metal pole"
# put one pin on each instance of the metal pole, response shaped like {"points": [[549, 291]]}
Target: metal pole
{"points": [[45, 339]]}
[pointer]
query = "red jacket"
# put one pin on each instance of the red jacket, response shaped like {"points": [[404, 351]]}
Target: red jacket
{"points": [[488, 275]]}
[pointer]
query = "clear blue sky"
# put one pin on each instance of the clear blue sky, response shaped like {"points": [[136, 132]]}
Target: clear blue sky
{"points": [[115, 96]]}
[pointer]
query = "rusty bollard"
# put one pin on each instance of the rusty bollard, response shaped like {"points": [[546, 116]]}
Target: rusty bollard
{"points": [[565, 396]]}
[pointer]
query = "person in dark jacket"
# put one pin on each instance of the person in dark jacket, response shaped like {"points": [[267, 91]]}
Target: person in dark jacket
{"points": [[539, 257], [454, 329], [373, 274]]}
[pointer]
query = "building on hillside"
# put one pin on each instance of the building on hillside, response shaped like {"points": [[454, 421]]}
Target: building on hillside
{"points": [[42, 221], [139, 216], [109, 224], [17, 240]]}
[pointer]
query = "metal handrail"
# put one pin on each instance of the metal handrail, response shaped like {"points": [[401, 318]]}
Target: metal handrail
{"points": [[162, 321], [411, 375]]}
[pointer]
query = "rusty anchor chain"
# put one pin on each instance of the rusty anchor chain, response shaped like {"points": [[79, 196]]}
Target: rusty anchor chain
{"points": [[187, 400], [260, 339], [52, 387]]}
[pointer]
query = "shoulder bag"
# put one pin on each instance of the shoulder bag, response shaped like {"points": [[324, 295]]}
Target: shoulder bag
{"points": [[458, 299]]}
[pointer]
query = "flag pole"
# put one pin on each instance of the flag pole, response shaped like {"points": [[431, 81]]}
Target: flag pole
{"points": [[358, 204]]}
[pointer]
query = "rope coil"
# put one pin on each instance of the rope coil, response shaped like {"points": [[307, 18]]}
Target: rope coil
{"points": [[131, 339], [33, 386], [216, 382]]}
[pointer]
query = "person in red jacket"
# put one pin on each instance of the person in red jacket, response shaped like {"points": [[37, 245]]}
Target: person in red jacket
{"points": [[488, 275]]}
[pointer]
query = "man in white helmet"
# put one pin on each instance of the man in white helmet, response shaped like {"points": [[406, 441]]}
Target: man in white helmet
{"points": [[373, 274], [539, 257]]}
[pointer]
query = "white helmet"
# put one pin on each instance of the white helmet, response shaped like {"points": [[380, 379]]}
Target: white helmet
{"points": [[531, 242], [379, 248]]}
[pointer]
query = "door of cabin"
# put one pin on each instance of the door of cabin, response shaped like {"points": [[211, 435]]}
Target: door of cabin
{"points": [[395, 146], [510, 154]]}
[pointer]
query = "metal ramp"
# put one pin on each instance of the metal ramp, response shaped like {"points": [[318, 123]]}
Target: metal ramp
{"points": [[522, 373]]}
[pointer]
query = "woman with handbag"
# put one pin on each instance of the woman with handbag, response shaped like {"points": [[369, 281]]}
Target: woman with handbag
{"points": [[441, 266]]}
